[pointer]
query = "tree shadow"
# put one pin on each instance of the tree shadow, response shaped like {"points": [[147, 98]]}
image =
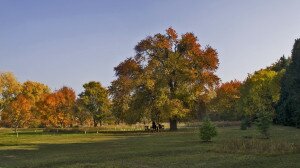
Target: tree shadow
{"points": [[124, 149]]}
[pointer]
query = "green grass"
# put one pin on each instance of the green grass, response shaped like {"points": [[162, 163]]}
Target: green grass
{"points": [[137, 149]]}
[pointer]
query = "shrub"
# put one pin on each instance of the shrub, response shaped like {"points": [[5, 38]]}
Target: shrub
{"points": [[263, 123], [245, 123], [207, 130]]}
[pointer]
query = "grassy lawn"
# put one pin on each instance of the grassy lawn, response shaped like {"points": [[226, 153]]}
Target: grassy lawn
{"points": [[231, 148]]}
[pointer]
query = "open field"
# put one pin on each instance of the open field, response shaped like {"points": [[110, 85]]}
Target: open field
{"points": [[231, 148]]}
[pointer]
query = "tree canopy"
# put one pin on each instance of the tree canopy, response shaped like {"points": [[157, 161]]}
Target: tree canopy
{"points": [[167, 77], [224, 104], [260, 93], [95, 99]]}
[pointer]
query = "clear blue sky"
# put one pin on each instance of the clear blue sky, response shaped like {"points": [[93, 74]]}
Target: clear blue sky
{"points": [[70, 42]]}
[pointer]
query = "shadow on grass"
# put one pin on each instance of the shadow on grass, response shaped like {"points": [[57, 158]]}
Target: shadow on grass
{"points": [[121, 150]]}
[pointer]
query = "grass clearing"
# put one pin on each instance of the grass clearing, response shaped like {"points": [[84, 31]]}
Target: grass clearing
{"points": [[144, 149]]}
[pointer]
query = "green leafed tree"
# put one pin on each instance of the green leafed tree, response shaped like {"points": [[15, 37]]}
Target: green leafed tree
{"points": [[95, 99], [80, 113], [288, 109], [259, 95], [121, 90]]}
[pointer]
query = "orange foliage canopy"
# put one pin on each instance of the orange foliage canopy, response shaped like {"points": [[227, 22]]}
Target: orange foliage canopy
{"points": [[225, 103], [57, 107], [19, 112]]}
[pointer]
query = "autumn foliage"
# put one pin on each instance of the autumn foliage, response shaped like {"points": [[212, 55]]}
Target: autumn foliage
{"points": [[224, 105], [170, 78], [57, 108], [165, 79]]}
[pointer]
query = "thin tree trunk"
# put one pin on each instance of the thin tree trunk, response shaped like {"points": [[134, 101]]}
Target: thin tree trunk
{"points": [[95, 123], [16, 131]]}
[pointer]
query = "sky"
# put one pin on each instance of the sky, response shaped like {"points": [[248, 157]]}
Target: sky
{"points": [[71, 42]]}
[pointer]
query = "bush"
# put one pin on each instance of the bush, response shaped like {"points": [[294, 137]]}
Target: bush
{"points": [[245, 123], [207, 130]]}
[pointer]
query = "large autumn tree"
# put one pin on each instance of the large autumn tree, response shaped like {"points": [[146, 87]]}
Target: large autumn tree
{"points": [[95, 99], [172, 73], [288, 110]]}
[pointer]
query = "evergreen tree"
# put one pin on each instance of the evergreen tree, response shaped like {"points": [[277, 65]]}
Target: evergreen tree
{"points": [[288, 109], [207, 130], [281, 64]]}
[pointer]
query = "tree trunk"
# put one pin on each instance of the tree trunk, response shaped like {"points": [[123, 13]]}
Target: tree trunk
{"points": [[16, 131], [173, 124], [201, 110], [95, 123]]}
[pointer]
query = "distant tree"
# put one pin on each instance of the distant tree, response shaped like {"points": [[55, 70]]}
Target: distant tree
{"points": [[280, 65], [9, 89], [259, 95], [176, 73], [288, 109], [95, 100], [18, 114], [207, 130], [65, 105], [57, 107], [34, 92], [47, 108], [13, 92], [224, 104], [81, 114]]}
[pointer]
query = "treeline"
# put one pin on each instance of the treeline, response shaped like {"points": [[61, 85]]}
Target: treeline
{"points": [[170, 78], [260, 92], [32, 104], [268, 95]]}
